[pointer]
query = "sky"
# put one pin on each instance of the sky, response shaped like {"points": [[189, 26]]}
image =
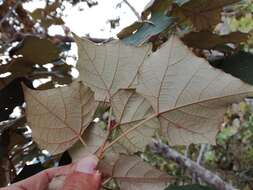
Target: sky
{"points": [[94, 21]]}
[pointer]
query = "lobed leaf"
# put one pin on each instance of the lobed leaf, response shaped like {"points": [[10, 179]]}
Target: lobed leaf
{"points": [[108, 67], [129, 109], [94, 137], [188, 95], [58, 117], [131, 173]]}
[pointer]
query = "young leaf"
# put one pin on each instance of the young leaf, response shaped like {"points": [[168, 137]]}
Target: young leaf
{"points": [[94, 137], [108, 67], [131, 173], [204, 14], [130, 108], [59, 116], [188, 95]]}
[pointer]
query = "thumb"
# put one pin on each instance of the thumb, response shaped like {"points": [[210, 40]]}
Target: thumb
{"points": [[85, 176]]}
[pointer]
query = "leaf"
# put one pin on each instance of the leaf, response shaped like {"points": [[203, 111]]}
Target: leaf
{"points": [[108, 67], [131, 173], [158, 23], [239, 65], [26, 55], [59, 116], [208, 40], [94, 137], [130, 30], [204, 14], [129, 109], [155, 6], [188, 95], [181, 2], [37, 51], [188, 187]]}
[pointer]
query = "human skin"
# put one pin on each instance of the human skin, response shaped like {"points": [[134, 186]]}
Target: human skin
{"points": [[77, 176]]}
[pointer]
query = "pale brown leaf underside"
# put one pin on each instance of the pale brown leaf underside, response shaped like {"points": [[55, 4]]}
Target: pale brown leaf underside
{"points": [[94, 137], [130, 108], [108, 67], [59, 116], [188, 95], [132, 173]]}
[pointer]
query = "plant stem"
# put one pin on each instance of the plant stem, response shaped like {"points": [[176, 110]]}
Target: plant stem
{"points": [[101, 149], [199, 160], [206, 175], [130, 130]]}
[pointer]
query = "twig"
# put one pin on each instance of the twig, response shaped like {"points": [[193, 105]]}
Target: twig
{"points": [[101, 149], [201, 153], [199, 160], [206, 175], [133, 9], [129, 131], [9, 12]]}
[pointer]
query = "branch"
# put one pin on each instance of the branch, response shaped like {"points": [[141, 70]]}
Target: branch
{"points": [[140, 124], [133, 9], [199, 160], [206, 175], [4, 125], [9, 12]]}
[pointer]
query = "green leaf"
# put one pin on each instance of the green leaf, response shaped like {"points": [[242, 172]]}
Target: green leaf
{"points": [[158, 23], [189, 187], [239, 65]]}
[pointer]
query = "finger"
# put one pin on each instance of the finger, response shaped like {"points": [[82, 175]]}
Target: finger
{"points": [[41, 180], [82, 181], [85, 176], [84, 169]]}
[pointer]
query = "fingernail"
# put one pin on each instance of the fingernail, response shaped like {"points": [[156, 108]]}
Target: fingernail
{"points": [[87, 165]]}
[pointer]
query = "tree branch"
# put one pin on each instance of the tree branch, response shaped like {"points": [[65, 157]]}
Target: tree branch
{"points": [[133, 9], [9, 12], [206, 175], [199, 160]]}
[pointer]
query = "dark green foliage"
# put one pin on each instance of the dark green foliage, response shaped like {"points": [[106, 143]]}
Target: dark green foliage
{"points": [[239, 65]]}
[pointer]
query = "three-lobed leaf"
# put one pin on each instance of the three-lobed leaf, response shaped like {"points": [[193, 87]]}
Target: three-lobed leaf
{"points": [[188, 95], [108, 67], [58, 117], [129, 109]]}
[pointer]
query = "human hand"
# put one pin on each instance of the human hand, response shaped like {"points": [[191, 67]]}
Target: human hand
{"points": [[77, 176]]}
